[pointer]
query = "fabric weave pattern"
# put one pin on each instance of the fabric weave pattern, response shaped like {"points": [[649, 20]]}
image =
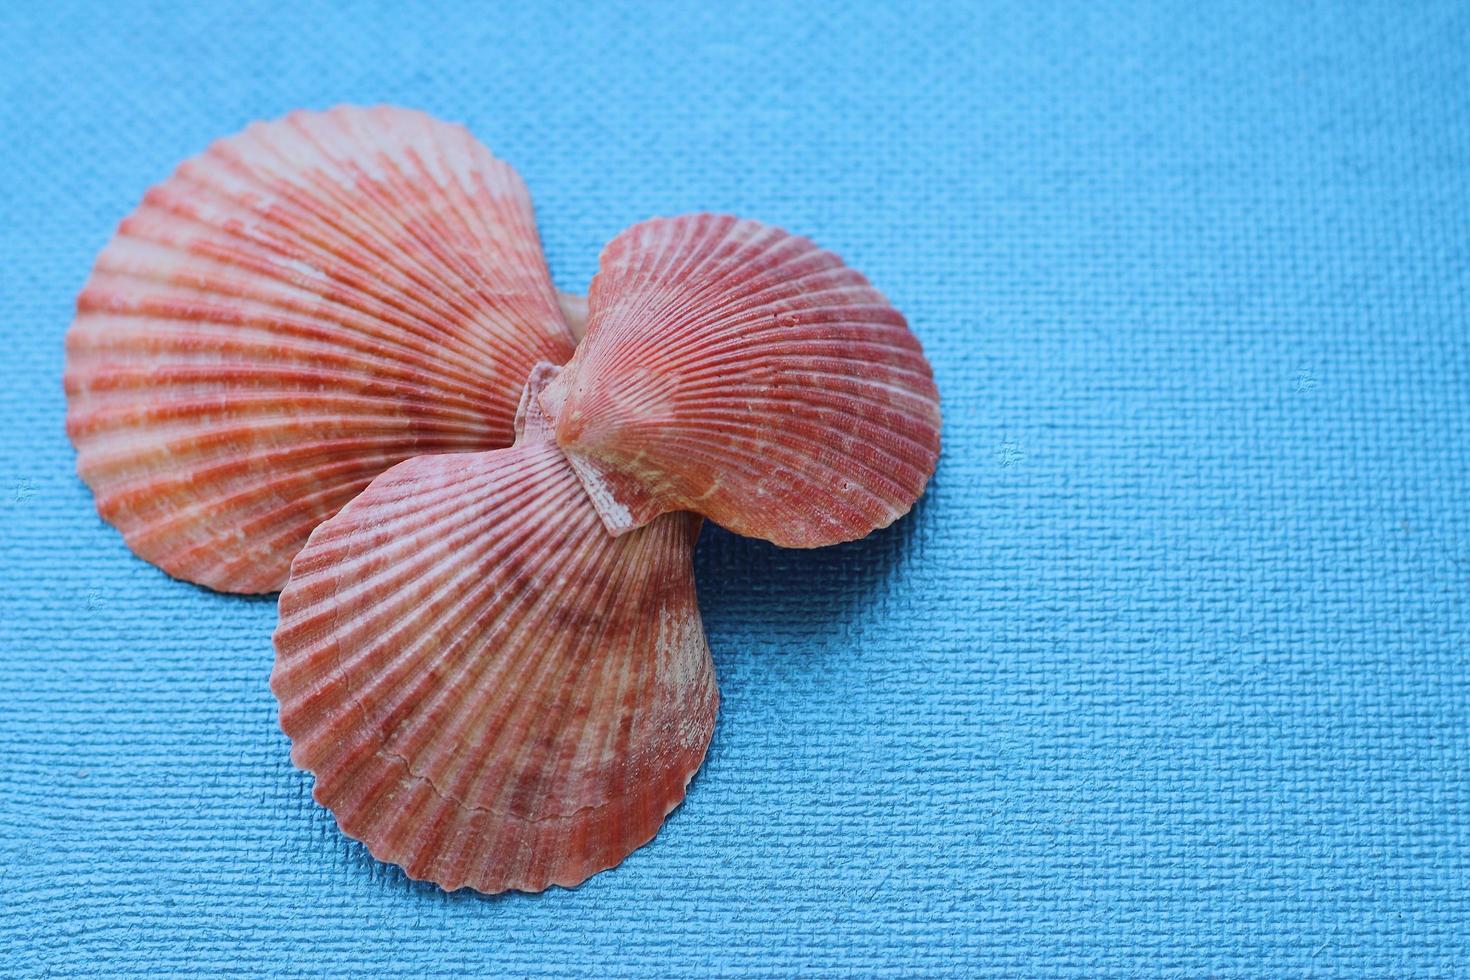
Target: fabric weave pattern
{"points": [[1166, 676]]}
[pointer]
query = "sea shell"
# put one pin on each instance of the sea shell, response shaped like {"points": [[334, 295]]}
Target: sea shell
{"points": [[291, 313], [743, 373], [574, 310], [490, 689]]}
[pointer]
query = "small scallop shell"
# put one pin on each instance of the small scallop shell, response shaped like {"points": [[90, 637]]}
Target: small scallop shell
{"points": [[574, 309], [490, 689], [291, 313], [743, 373]]}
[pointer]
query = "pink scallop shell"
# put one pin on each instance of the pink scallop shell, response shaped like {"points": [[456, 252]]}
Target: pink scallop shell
{"points": [[490, 689], [289, 314], [743, 373]]}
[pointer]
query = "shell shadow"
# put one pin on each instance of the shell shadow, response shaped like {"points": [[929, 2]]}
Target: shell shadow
{"points": [[748, 587]]}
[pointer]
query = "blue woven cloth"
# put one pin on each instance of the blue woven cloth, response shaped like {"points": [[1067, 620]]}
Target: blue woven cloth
{"points": [[1166, 676]]}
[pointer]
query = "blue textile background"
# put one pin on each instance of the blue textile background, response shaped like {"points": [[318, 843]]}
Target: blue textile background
{"points": [[1166, 676]]}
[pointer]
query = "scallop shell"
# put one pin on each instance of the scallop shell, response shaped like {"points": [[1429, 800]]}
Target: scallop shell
{"points": [[574, 310], [490, 689], [289, 314], [738, 371]]}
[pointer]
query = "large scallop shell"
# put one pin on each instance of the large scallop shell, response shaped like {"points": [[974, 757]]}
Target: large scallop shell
{"points": [[491, 690], [288, 315], [743, 373]]}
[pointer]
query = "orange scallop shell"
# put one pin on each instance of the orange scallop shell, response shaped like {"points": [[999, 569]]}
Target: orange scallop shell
{"points": [[490, 689], [743, 373], [289, 314]]}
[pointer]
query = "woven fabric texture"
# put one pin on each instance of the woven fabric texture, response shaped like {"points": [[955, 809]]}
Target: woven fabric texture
{"points": [[1166, 676]]}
